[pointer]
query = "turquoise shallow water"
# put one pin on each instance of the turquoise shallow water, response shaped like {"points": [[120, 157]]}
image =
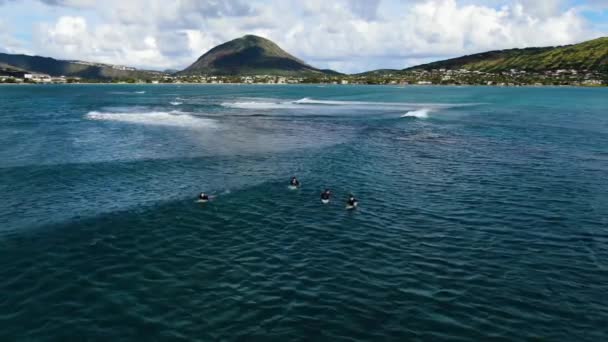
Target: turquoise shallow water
{"points": [[483, 213]]}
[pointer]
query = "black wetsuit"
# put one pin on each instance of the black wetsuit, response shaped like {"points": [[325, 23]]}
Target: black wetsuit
{"points": [[352, 202], [204, 197], [325, 195], [295, 182]]}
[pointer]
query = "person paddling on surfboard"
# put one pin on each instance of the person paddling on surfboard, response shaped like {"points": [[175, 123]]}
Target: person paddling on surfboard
{"points": [[203, 197], [351, 202], [294, 182], [325, 195]]}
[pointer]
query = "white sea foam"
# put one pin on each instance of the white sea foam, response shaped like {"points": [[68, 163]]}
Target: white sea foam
{"points": [[278, 104], [261, 105], [127, 92], [307, 100], [173, 118], [419, 113], [308, 103], [176, 103]]}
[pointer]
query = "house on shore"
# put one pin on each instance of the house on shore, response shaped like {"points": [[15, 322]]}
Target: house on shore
{"points": [[38, 78]]}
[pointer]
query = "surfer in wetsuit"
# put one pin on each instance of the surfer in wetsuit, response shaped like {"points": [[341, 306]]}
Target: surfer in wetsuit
{"points": [[325, 195], [352, 201], [203, 197], [294, 182]]}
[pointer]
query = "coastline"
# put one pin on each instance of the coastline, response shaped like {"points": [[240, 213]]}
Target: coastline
{"points": [[311, 84]]}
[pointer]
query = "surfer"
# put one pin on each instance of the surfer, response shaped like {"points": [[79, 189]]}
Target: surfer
{"points": [[351, 202], [325, 195], [203, 197], [294, 182]]}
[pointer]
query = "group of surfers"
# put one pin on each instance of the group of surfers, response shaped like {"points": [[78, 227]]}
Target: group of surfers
{"points": [[351, 202]]}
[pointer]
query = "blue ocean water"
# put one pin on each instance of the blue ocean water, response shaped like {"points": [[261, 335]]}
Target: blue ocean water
{"points": [[483, 213]]}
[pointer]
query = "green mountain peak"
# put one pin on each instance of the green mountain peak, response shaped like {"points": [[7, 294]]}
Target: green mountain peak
{"points": [[249, 55]]}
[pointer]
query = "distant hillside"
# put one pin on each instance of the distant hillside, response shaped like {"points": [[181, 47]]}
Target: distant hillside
{"points": [[379, 72], [10, 68], [590, 55], [55, 67], [250, 55]]}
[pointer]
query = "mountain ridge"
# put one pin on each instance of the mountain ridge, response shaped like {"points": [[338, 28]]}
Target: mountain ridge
{"points": [[72, 68], [588, 55], [253, 55]]}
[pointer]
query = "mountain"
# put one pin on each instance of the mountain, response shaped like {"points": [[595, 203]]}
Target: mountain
{"points": [[253, 55], [378, 72], [87, 70], [250, 55], [590, 55], [10, 68]]}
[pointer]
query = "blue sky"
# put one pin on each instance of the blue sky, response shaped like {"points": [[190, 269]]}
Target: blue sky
{"points": [[346, 35]]}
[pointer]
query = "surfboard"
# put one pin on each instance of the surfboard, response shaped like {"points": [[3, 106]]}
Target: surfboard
{"points": [[324, 201], [351, 207], [201, 201], [292, 187]]}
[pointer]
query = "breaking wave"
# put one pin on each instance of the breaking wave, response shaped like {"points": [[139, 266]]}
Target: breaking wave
{"points": [[308, 103], [420, 113], [176, 103], [173, 118], [308, 100], [261, 105]]}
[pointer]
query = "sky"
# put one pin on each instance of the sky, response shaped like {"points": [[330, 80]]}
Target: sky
{"points": [[345, 35]]}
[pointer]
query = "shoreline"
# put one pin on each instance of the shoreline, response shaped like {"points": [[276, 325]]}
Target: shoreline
{"points": [[309, 84]]}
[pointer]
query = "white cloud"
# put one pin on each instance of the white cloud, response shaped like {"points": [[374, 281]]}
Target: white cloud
{"points": [[72, 38], [349, 35], [8, 43], [426, 29]]}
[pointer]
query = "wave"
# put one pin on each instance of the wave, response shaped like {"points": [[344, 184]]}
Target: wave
{"points": [[310, 101], [127, 92], [173, 118], [307, 102], [176, 103], [261, 105], [420, 113]]}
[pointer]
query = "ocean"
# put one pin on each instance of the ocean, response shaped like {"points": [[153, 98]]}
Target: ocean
{"points": [[483, 213]]}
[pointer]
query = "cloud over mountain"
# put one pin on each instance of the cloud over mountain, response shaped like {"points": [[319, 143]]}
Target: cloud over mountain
{"points": [[346, 35]]}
